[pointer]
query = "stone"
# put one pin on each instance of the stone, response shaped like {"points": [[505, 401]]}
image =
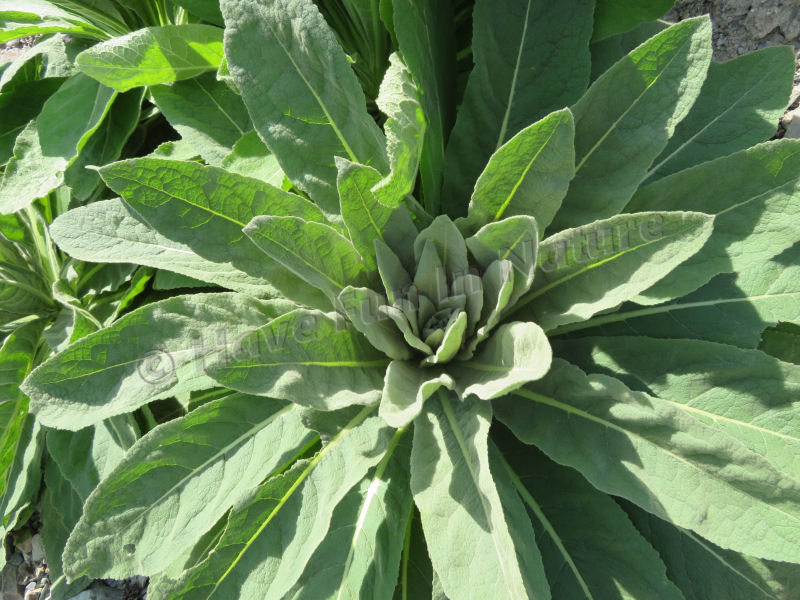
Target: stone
{"points": [[793, 126], [37, 549], [99, 591]]}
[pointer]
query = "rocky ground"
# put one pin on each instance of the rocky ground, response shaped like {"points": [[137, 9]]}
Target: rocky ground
{"points": [[740, 26]]}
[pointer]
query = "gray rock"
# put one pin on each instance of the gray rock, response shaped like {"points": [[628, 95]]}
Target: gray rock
{"points": [[37, 549], [793, 126], [99, 591]]}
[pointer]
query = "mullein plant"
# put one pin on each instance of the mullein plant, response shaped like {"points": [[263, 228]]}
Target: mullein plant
{"points": [[506, 350]]}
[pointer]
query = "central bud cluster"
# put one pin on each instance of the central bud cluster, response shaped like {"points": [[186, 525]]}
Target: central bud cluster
{"points": [[436, 306]]}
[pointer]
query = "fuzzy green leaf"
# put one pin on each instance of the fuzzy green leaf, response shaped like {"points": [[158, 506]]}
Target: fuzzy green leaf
{"points": [[314, 252], [308, 357], [271, 536], [531, 58], [405, 132], [609, 262], [472, 548], [250, 157], [589, 547], [153, 55], [704, 571], [180, 478], [154, 352], [739, 105], [658, 455], [449, 244], [529, 174], [362, 307], [626, 118], [109, 231], [754, 199], [18, 107], [318, 100], [367, 219], [515, 354], [47, 146], [425, 38], [406, 388], [753, 299], [105, 144], [207, 114], [370, 523], [515, 239], [206, 208], [746, 393]]}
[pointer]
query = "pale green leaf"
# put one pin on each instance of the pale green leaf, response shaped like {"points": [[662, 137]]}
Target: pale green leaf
{"points": [[754, 200], [617, 16], [531, 58], [370, 524], [76, 462], [626, 118], [105, 144], [206, 208], [18, 107], [750, 395], [250, 157], [153, 55], [308, 357], [529, 174], [425, 38], [271, 536], [318, 99], [471, 546], [608, 51], [704, 571], [658, 455], [406, 388], [514, 354], [109, 231], [367, 219], [207, 114], [590, 549], [740, 105], [449, 244], [47, 146], [753, 299], [154, 352], [314, 252], [515, 239], [609, 262], [362, 307], [180, 478], [405, 131]]}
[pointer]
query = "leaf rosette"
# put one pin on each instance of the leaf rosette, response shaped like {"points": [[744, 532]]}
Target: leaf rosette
{"points": [[415, 306]]}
